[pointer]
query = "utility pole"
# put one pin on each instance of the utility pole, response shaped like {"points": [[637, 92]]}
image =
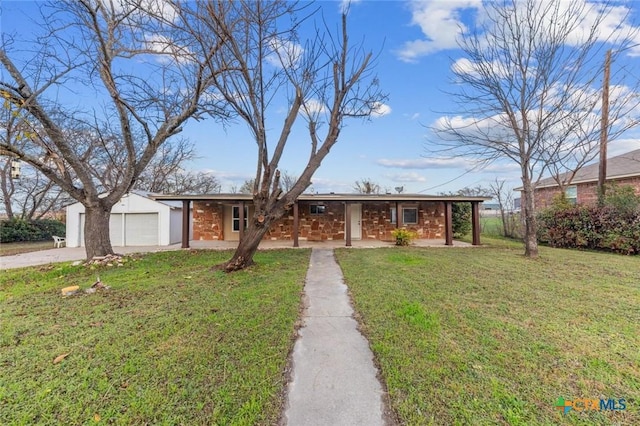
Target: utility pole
{"points": [[604, 126]]}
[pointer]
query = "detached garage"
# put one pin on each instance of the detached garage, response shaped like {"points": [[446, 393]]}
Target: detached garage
{"points": [[135, 221]]}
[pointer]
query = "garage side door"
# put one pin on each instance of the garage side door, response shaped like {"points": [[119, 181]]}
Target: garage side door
{"points": [[141, 229], [115, 229]]}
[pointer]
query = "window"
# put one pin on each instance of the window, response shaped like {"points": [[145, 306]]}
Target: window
{"points": [[393, 215], [409, 215], [317, 209], [571, 194], [236, 218]]}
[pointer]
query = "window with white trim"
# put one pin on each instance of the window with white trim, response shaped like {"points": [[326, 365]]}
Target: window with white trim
{"points": [[571, 194], [317, 209], [409, 215], [235, 213], [393, 215]]}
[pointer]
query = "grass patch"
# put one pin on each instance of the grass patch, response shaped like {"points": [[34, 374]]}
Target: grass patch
{"points": [[491, 225], [9, 249], [486, 336], [172, 342]]}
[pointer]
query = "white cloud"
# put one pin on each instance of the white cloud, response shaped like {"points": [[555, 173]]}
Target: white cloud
{"points": [[160, 8], [424, 163], [406, 177], [284, 53], [168, 51], [345, 5], [622, 146], [440, 23], [325, 185], [313, 107], [380, 110]]}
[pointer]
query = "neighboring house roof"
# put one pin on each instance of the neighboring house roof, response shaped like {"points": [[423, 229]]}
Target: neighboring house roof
{"points": [[619, 167], [328, 197]]}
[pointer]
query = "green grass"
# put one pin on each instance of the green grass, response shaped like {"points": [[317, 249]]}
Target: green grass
{"points": [[9, 249], [485, 336], [172, 342], [491, 225]]}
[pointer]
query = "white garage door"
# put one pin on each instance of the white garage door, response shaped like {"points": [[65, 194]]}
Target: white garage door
{"points": [[141, 229], [115, 229]]}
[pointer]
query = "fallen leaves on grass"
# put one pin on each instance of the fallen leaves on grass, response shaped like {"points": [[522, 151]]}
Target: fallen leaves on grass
{"points": [[59, 358]]}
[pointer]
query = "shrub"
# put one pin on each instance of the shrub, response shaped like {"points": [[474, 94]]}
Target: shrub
{"points": [[14, 230], [461, 219], [622, 198], [591, 227], [403, 236]]}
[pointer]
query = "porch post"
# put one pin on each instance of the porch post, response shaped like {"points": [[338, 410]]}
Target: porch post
{"points": [[398, 215], [475, 222], [347, 224], [241, 224], [448, 223], [296, 224], [186, 213]]}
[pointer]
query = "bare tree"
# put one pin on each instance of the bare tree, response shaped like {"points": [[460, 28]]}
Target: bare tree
{"points": [[145, 75], [504, 197], [31, 196], [323, 82], [166, 174], [287, 181], [184, 182], [247, 186], [529, 90], [366, 186]]}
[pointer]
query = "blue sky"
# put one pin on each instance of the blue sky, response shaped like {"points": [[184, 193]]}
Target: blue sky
{"points": [[416, 45], [416, 42]]}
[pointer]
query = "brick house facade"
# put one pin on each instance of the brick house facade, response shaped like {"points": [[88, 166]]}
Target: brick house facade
{"points": [[327, 217], [623, 169], [377, 221], [585, 192]]}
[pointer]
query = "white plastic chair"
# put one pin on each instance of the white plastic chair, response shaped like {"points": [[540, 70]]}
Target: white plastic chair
{"points": [[59, 241]]}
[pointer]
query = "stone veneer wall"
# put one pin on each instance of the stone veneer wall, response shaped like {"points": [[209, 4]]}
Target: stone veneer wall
{"points": [[376, 222], [587, 193], [207, 221], [312, 227]]}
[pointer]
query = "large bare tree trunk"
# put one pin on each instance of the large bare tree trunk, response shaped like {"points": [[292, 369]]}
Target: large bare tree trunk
{"points": [[247, 247], [530, 223], [96, 231]]}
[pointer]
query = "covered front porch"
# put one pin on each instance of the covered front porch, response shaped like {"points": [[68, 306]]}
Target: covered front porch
{"points": [[361, 219]]}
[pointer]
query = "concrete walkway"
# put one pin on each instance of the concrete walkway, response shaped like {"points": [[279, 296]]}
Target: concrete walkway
{"points": [[333, 381], [68, 254]]}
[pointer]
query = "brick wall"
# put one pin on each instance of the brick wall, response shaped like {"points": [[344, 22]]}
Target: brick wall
{"points": [[587, 193]]}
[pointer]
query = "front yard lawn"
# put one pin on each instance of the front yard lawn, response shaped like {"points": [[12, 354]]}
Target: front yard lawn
{"points": [[172, 342], [9, 249], [484, 336]]}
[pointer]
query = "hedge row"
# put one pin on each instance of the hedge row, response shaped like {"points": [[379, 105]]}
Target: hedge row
{"points": [[591, 227], [14, 230]]}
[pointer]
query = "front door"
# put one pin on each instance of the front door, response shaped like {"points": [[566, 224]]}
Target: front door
{"points": [[356, 219]]}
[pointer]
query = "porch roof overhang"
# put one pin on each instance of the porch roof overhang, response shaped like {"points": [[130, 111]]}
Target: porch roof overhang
{"points": [[222, 197], [347, 199]]}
